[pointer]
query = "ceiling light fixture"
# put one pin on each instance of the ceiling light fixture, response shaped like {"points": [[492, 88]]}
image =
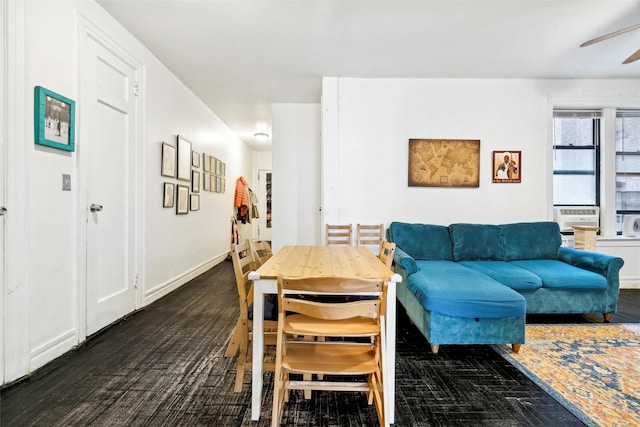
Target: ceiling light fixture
{"points": [[261, 136]]}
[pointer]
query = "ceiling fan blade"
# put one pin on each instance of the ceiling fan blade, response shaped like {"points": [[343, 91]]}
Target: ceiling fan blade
{"points": [[608, 36], [633, 57]]}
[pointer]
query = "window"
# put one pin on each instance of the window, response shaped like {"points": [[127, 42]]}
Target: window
{"points": [[576, 158], [627, 164]]}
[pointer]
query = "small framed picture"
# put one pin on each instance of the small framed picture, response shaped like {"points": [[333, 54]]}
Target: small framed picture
{"points": [[182, 200], [206, 163], [168, 160], [195, 159], [184, 159], [194, 203], [507, 166], [195, 181], [206, 182], [54, 120], [169, 196]]}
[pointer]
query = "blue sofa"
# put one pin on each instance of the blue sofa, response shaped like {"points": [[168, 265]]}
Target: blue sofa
{"points": [[475, 283]]}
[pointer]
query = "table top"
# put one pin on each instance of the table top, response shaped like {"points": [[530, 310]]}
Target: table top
{"points": [[585, 228], [331, 261]]}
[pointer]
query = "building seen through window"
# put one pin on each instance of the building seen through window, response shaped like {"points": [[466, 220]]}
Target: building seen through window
{"points": [[627, 165]]}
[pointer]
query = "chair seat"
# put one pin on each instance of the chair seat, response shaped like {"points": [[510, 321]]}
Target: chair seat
{"points": [[300, 324], [330, 358]]}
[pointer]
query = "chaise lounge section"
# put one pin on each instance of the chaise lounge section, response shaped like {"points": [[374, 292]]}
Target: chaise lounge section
{"points": [[475, 283]]}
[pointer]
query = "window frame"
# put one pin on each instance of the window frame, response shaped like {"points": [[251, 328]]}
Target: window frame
{"points": [[596, 117], [621, 113]]}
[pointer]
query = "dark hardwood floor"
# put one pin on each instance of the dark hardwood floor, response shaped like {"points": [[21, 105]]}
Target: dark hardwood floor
{"points": [[165, 366]]}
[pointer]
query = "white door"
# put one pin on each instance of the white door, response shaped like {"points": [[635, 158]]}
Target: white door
{"points": [[112, 184], [3, 155], [264, 204]]}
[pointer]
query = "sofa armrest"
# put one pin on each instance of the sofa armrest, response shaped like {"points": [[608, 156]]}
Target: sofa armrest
{"points": [[607, 265], [405, 261]]}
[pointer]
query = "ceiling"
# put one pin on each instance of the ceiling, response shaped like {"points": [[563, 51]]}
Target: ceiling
{"points": [[241, 56]]}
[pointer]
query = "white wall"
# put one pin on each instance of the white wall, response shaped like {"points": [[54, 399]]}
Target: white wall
{"points": [[198, 238], [366, 125], [375, 118], [296, 174], [43, 320]]}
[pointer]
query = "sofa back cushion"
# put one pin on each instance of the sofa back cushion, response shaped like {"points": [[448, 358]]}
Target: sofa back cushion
{"points": [[531, 240], [477, 242], [422, 241]]}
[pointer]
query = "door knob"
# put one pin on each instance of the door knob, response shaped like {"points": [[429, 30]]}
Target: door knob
{"points": [[2, 210], [95, 208]]}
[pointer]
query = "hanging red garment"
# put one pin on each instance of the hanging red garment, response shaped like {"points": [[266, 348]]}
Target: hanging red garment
{"points": [[242, 194], [241, 199]]}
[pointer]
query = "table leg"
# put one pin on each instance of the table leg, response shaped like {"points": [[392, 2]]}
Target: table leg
{"points": [[391, 352], [258, 349]]}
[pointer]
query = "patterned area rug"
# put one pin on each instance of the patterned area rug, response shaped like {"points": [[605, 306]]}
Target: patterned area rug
{"points": [[591, 369]]}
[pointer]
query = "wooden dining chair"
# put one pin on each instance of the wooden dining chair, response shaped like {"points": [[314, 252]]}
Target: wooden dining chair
{"points": [[260, 251], [348, 339], [370, 235], [338, 234], [241, 338], [387, 249]]}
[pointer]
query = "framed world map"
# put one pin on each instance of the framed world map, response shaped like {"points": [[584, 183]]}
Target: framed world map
{"points": [[444, 162]]}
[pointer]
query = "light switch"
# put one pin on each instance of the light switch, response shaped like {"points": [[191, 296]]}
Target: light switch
{"points": [[66, 182]]}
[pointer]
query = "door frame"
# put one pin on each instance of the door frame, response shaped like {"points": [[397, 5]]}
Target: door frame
{"points": [[86, 31], [262, 204], [15, 346]]}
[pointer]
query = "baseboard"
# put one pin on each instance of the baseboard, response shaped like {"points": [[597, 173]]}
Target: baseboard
{"points": [[630, 284], [165, 288], [52, 349]]}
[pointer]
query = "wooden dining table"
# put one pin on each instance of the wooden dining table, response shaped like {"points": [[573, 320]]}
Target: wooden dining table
{"points": [[319, 261]]}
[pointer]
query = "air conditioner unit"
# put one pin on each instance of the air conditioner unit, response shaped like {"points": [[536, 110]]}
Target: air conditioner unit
{"points": [[568, 216], [631, 225]]}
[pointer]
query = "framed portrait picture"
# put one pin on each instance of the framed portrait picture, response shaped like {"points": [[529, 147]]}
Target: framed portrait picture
{"points": [[169, 195], [206, 162], [54, 120], [184, 159], [195, 181], [168, 168], [195, 159], [212, 166], [194, 203], [182, 200], [206, 182], [507, 166]]}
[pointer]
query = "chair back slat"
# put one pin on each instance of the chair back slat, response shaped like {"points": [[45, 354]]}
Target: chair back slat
{"points": [[338, 234], [369, 235]]}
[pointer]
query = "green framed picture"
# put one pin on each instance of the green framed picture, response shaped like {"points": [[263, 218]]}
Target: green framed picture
{"points": [[54, 120]]}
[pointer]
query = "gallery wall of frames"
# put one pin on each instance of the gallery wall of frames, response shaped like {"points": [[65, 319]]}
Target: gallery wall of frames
{"points": [[192, 173]]}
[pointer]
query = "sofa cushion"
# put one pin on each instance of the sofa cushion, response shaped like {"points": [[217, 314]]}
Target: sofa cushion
{"points": [[506, 273], [422, 241], [473, 242], [454, 290], [531, 240], [557, 274]]}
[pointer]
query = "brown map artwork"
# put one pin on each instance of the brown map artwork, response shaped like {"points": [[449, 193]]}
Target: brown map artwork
{"points": [[444, 163]]}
